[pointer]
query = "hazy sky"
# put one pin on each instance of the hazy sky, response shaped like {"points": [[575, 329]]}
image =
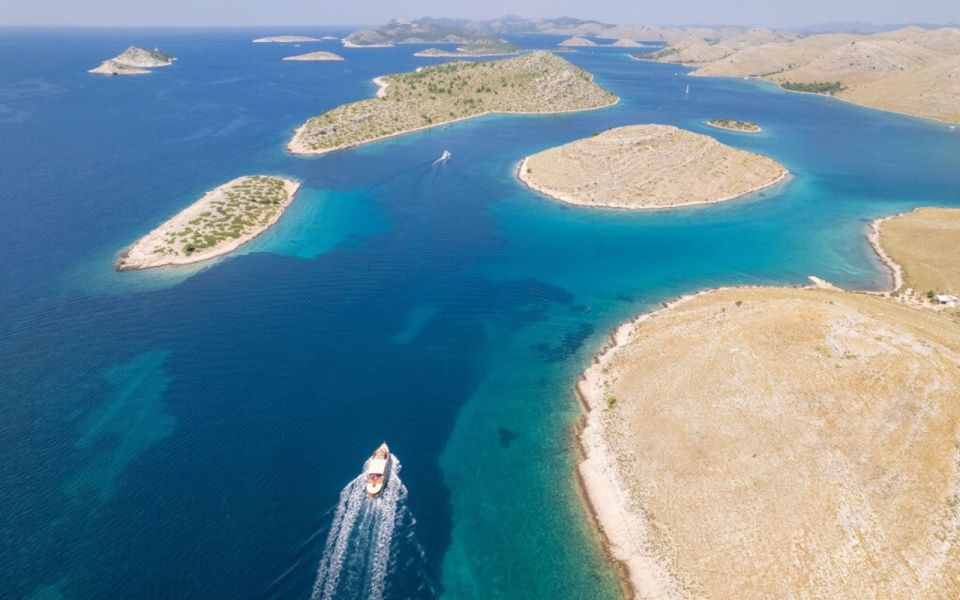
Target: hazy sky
{"points": [[778, 13]]}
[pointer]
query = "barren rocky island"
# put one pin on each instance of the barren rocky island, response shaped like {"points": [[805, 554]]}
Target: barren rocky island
{"points": [[648, 167]]}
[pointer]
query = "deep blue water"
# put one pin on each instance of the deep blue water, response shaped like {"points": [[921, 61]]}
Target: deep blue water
{"points": [[187, 434]]}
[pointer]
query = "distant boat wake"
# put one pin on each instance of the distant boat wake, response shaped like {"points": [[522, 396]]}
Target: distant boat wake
{"points": [[443, 158], [361, 547]]}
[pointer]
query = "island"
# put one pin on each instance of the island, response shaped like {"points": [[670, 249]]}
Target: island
{"points": [[627, 44], [421, 31], [315, 56], [288, 39], [793, 442], [641, 167], [576, 42], [911, 70], [735, 125], [537, 82], [134, 61], [922, 249], [500, 48], [218, 223]]}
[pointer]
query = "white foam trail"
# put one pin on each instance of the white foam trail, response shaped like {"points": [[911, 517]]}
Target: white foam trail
{"points": [[394, 493], [361, 537]]}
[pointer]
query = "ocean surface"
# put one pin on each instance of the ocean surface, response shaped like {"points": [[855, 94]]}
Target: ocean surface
{"points": [[197, 433]]}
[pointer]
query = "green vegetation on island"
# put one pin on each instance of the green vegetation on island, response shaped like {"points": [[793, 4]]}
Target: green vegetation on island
{"points": [[735, 125], [818, 87], [486, 48], [538, 82], [252, 201], [219, 222]]}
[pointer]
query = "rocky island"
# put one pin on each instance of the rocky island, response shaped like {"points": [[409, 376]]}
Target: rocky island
{"points": [[791, 442], [420, 31], [315, 56], [538, 82], [216, 224], [576, 42], [288, 39], [500, 48], [735, 125], [134, 61], [647, 167]]}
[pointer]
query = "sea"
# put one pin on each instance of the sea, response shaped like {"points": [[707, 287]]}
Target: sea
{"points": [[199, 432]]}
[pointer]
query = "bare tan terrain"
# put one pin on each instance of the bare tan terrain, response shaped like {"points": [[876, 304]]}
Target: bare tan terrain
{"points": [[648, 167], [218, 223], [697, 51], [779, 443], [537, 82], [913, 71], [925, 244]]}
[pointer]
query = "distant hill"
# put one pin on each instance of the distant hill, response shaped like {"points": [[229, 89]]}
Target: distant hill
{"points": [[423, 31], [865, 28], [464, 31]]}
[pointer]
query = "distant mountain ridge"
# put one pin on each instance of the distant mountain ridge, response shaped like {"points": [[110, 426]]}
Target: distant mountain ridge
{"points": [[429, 30]]}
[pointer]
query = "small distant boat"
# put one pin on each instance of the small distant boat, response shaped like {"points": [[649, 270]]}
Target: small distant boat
{"points": [[443, 157], [377, 470], [687, 91]]}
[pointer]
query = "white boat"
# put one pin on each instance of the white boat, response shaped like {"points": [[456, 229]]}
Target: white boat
{"points": [[443, 157], [688, 89], [377, 470]]}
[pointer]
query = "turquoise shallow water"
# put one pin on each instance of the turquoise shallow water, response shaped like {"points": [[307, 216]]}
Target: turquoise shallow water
{"points": [[187, 434]]}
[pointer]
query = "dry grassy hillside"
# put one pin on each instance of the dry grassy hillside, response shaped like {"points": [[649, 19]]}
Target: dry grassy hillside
{"points": [[913, 70], [790, 443], [926, 245], [647, 166], [705, 50]]}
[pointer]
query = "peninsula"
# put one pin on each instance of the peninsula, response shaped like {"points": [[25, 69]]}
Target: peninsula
{"points": [[647, 167], [134, 61], [288, 39], [779, 443], [218, 223], [923, 250], [735, 125], [315, 56], [537, 82], [911, 71]]}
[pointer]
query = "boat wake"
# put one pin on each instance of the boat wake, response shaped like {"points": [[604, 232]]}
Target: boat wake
{"points": [[361, 549]]}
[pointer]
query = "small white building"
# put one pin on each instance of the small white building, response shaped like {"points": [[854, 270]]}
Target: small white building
{"points": [[946, 300]]}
